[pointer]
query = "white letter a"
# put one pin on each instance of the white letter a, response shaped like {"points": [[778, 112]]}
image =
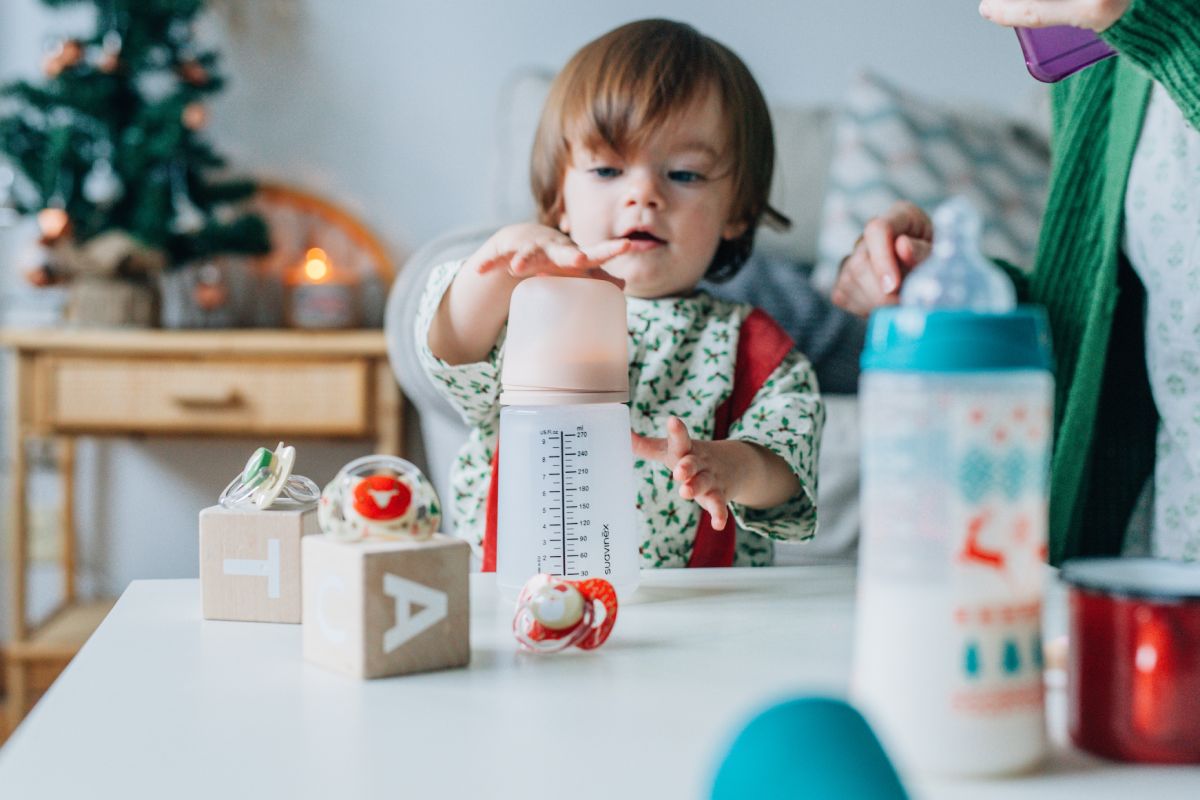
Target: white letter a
{"points": [[407, 594]]}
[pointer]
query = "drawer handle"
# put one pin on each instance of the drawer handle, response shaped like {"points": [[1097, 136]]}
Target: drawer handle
{"points": [[217, 401]]}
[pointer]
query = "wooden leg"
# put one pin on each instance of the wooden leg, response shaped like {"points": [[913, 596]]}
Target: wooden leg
{"points": [[14, 706], [389, 412], [18, 546], [66, 474]]}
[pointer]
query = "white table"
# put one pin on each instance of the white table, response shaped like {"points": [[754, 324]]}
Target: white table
{"points": [[161, 703]]}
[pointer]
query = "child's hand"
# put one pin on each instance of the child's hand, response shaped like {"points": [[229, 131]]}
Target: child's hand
{"points": [[703, 469], [529, 249]]}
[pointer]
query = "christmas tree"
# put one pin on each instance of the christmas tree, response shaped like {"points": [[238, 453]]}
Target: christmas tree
{"points": [[111, 143]]}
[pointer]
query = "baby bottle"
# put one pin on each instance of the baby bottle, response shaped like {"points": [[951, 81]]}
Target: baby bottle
{"points": [[956, 401], [566, 491]]}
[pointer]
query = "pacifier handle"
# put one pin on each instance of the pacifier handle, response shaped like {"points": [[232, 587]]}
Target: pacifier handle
{"points": [[598, 590]]}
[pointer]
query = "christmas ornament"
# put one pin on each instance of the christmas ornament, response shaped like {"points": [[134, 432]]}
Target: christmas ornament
{"points": [[156, 85], [188, 218], [110, 52], [554, 613], [102, 185], [65, 55], [210, 292], [267, 482], [54, 224], [380, 496], [195, 116], [193, 72], [8, 202]]}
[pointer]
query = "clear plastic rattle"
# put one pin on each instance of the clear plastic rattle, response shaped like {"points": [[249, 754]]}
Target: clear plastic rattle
{"points": [[554, 613], [379, 496], [267, 482]]}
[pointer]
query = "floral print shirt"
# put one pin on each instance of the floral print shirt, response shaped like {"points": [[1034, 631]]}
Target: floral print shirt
{"points": [[681, 363], [1162, 241]]}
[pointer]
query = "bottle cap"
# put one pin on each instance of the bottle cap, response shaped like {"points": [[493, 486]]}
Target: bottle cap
{"points": [[567, 343], [904, 339]]}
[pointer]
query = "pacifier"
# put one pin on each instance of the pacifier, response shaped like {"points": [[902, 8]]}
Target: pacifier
{"points": [[554, 613], [267, 482], [379, 496]]}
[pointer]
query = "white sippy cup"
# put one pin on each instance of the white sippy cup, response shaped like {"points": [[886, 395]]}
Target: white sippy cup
{"points": [[956, 403], [566, 489]]}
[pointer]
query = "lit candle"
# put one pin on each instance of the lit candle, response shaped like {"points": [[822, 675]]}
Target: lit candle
{"points": [[322, 296]]}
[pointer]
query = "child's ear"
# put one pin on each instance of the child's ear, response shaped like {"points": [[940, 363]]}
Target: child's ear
{"points": [[734, 229], [564, 224]]}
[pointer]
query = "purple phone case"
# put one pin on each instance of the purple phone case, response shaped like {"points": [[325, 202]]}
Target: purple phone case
{"points": [[1052, 54]]}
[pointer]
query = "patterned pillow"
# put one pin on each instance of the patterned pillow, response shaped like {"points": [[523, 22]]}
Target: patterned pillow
{"points": [[891, 146]]}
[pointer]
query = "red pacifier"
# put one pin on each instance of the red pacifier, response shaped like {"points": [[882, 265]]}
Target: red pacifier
{"points": [[554, 613]]}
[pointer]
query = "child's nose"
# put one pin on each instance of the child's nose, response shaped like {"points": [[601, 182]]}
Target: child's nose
{"points": [[644, 190]]}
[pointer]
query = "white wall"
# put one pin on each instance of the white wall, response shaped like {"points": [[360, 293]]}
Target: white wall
{"points": [[388, 107]]}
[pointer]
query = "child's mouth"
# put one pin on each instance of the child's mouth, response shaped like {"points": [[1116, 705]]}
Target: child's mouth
{"points": [[643, 240]]}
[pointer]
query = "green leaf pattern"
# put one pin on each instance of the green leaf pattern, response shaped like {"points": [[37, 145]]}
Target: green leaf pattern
{"points": [[681, 363]]}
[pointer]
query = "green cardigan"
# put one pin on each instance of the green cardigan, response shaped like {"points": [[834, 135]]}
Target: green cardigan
{"points": [[1105, 419]]}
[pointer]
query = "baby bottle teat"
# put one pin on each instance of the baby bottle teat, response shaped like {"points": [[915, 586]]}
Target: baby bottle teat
{"points": [[566, 343], [957, 275]]}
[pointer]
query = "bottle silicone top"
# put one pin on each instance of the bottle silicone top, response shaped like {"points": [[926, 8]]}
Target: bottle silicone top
{"points": [[567, 343], [956, 275]]}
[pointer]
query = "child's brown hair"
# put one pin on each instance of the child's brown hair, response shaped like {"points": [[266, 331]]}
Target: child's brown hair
{"points": [[631, 80]]}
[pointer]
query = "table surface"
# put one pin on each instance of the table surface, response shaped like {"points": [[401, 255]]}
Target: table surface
{"points": [[162, 703]]}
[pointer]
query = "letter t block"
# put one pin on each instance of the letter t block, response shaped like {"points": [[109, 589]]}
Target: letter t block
{"points": [[250, 563]]}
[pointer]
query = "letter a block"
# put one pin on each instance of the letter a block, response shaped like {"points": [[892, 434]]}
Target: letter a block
{"points": [[250, 563], [378, 607]]}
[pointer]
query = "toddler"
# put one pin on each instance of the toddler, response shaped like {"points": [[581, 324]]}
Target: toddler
{"points": [[651, 169]]}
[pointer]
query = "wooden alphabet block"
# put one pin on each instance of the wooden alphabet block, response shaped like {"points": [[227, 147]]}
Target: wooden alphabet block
{"points": [[375, 608], [250, 563]]}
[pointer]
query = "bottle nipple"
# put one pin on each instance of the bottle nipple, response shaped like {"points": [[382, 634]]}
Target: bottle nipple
{"points": [[957, 275]]}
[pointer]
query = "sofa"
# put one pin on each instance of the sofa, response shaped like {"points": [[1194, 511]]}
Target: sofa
{"points": [[834, 169]]}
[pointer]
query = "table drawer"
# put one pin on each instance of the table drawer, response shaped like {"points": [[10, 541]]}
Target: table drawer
{"points": [[198, 396]]}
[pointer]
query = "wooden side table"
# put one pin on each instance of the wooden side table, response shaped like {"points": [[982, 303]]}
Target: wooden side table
{"points": [[70, 383]]}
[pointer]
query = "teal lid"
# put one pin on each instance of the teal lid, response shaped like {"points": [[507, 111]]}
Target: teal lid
{"points": [[906, 339]]}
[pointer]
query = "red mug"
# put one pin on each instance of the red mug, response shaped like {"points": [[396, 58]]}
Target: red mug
{"points": [[1133, 670]]}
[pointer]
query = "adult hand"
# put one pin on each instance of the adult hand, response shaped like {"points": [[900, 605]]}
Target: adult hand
{"points": [[700, 469], [889, 248], [1095, 15], [529, 249]]}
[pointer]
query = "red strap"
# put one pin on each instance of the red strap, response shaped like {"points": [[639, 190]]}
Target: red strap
{"points": [[762, 346], [492, 516]]}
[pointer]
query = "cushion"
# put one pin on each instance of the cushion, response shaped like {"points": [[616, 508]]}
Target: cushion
{"points": [[890, 145]]}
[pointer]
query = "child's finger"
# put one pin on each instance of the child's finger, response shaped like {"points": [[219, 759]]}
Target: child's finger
{"points": [[493, 261], [714, 503], [567, 256], [700, 485], [679, 444], [650, 447], [603, 251], [686, 469]]}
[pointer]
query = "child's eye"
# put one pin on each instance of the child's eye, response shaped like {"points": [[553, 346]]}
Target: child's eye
{"points": [[605, 172], [684, 176]]}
